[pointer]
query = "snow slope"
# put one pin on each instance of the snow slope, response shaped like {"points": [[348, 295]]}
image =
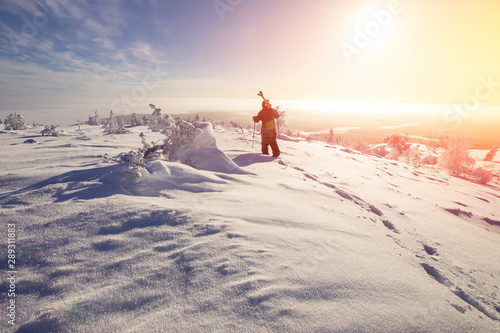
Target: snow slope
{"points": [[323, 239]]}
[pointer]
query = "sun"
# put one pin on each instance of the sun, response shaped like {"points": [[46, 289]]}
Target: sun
{"points": [[369, 25]]}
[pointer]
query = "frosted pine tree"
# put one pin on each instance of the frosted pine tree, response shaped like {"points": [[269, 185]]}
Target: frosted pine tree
{"points": [[136, 120], [281, 122], [95, 120], [113, 126], [456, 158], [157, 121]]}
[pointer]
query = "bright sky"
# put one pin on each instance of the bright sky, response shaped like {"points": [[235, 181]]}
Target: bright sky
{"points": [[125, 54]]}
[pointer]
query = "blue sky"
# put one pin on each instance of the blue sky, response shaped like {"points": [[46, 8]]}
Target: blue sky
{"points": [[123, 55]]}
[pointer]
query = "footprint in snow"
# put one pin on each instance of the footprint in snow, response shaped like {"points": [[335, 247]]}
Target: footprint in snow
{"points": [[390, 226], [430, 250], [489, 310]]}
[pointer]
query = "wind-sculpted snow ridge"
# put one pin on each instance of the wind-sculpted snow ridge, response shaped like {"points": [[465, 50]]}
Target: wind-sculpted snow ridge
{"points": [[322, 239], [161, 177], [204, 154]]}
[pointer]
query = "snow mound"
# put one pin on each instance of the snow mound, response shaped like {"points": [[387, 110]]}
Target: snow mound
{"points": [[160, 176], [203, 153]]}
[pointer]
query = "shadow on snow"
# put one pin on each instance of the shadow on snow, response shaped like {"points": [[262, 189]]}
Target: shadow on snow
{"points": [[252, 158]]}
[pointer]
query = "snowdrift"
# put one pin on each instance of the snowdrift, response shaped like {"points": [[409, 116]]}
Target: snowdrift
{"points": [[159, 177], [203, 153]]}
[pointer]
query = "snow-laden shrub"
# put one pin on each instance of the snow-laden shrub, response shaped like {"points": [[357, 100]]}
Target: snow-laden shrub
{"points": [[361, 146], [237, 126], [399, 145], [192, 144], [133, 160], [15, 122], [331, 136], [113, 126], [491, 154], [136, 120], [281, 121], [456, 158], [496, 177], [484, 175], [95, 120], [158, 121], [50, 131], [430, 160], [413, 156], [379, 150], [178, 133]]}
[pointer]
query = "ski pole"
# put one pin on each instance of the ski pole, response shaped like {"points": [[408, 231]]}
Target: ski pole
{"points": [[279, 134], [253, 139], [278, 124]]}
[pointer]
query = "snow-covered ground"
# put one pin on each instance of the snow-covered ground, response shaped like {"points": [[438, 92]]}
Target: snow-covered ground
{"points": [[323, 239]]}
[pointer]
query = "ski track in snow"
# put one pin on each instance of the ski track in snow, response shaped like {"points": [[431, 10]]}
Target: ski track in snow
{"points": [[322, 239]]}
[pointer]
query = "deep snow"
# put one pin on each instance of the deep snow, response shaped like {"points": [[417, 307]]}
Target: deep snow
{"points": [[323, 239]]}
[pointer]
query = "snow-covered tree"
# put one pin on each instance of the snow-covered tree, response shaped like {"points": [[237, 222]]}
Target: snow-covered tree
{"points": [[398, 144], [360, 145], [281, 122], [158, 122], [136, 120], [413, 156], [15, 122], [379, 150], [331, 136], [95, 120], [456, 158], [491, 154], [113, 126], [178, 132], [145, 144], [484, 175], [237, 126]]}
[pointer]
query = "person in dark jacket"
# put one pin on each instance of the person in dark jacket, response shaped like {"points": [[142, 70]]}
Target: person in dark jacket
{"points": [[268, 131]]}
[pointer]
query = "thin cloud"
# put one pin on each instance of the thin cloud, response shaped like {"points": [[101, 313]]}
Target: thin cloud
{"points": [[96, 27], [105, 43], [146, 52], [19, 7]]}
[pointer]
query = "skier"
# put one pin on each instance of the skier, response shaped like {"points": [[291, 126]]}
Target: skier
{"points": [[268, 131]]}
